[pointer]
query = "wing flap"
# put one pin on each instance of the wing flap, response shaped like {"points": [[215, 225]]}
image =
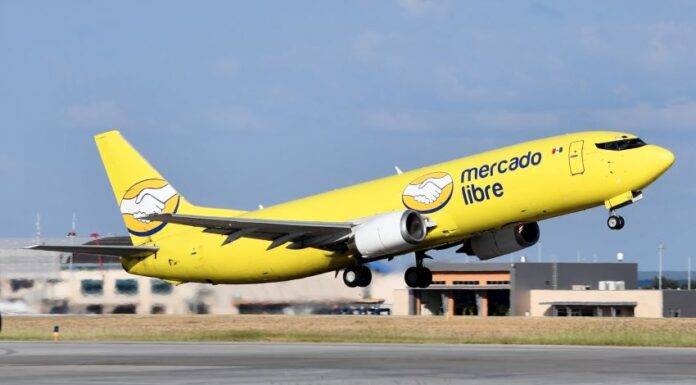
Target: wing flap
{"points": [[118, 251]]}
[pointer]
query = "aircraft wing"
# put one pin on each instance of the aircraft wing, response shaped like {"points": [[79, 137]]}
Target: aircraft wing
{"points": [[119, 251], [301, 234]]}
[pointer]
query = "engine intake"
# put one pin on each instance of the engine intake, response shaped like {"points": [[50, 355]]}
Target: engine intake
{"points": [[389, 233], [507, 240]]}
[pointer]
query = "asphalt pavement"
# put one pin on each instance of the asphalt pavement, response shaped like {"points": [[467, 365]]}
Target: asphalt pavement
{"points": [[265, 363]]}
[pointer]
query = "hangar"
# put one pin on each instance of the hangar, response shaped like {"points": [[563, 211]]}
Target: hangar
{"points": [[541, 289]]}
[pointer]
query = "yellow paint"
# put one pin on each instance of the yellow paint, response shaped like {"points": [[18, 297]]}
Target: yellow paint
{"points": [[619, 200], [579, 177]]}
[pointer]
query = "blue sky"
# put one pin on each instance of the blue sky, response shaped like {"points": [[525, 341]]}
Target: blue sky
{"points": [[241, 103]]}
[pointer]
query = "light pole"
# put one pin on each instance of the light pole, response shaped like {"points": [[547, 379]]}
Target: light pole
{"points": [[660, 250], [688, 284]]}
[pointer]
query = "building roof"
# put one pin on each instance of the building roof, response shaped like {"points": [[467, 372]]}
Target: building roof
{"points": [[464, 266], [590, 303], [485, 266], [465, 287]]}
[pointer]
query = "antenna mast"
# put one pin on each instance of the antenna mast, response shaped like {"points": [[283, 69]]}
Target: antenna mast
{"points": [[37, 235]]}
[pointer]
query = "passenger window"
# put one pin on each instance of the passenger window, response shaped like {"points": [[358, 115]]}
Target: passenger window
{"points": [[621, 145]]}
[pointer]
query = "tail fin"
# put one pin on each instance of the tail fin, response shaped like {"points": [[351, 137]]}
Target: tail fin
{"points": [[139, 189]]}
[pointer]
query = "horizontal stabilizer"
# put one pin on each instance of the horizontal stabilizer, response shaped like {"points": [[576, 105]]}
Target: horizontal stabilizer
{"points": [[118, 251]]}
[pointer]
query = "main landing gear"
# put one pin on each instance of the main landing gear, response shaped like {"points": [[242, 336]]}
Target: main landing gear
{"points": [[419, 276], [358, 275], [615, 222]]}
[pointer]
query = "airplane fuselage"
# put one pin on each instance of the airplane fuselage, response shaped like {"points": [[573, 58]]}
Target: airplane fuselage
{"points": [[522, 183]]}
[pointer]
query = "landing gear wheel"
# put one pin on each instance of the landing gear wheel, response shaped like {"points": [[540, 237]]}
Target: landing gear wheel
{"points": [[616, 222], [412, 277], [355, 276], [351, 277], [365, 276], [426, 278], [418, 277]]}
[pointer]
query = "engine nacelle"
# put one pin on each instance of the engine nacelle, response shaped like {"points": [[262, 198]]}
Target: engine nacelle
{"points": [[389, 233], [504, 241]]}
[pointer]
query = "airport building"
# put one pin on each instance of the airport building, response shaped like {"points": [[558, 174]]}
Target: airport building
{"points": [[45, 282], [41, 282], [542, 289]]}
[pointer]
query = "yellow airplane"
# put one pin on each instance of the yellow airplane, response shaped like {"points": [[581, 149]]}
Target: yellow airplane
{"points": [[487, 204]]}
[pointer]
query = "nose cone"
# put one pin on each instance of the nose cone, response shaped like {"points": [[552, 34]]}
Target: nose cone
{"points": [[655, 162], [664, 158]]}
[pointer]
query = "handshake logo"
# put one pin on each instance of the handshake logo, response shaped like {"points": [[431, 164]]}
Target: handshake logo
{"points": [[150, 196], [429, 192]]}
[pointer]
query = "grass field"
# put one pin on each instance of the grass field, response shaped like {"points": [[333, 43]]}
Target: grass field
{"points": [[370, 329]]}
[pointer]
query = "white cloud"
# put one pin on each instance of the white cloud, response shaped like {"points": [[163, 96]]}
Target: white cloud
{"points": [[659, 47], [668, 43], [450, 84], [517, 120], [416, 7], [396, 121], [102, 114], [455, 84], [677, 116], [433, 121]]}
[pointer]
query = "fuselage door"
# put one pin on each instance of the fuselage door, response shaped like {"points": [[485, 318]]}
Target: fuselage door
{"points": [[577, 165]]}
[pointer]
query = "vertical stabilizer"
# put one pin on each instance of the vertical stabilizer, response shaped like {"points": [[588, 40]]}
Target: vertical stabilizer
{"points": [[139, 189]]}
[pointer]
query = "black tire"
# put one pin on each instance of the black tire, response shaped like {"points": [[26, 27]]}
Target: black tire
{"points": [[351, 276], [364, 276], [425, 277], [412, 277], [622, 222], [613, 222]]}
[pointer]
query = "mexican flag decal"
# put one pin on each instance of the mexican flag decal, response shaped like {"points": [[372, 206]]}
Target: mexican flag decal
{"points": [[557, 150]]}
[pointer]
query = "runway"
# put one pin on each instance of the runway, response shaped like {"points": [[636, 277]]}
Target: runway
{"points": [[225, 363]]}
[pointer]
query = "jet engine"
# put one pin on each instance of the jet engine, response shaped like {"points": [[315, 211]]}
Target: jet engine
{"points": [[389, 233], [507, 240]]}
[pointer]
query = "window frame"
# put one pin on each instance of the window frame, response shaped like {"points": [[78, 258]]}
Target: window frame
{"points": [[622, 144]]}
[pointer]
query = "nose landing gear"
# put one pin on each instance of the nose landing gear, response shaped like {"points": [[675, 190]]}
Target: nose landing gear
{"points": [[615, 222], [419, 276]]}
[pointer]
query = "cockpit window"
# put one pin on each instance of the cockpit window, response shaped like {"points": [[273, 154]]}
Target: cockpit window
{"points": [[622, 144]]}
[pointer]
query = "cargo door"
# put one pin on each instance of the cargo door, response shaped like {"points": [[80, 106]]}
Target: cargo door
{"points": [[577, 164]]}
